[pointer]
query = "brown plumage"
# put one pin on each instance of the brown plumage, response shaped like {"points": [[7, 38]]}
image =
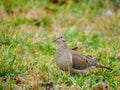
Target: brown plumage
{"points": [[70, 60]]}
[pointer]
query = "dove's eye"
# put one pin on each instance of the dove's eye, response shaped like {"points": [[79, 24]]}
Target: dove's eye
{"points": [[61, 37]]}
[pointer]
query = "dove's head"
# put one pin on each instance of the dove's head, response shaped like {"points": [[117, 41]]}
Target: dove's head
{"points": [[60, 39]]}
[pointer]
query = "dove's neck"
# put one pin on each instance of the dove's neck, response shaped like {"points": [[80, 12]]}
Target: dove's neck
{"points": [[61, 46]]}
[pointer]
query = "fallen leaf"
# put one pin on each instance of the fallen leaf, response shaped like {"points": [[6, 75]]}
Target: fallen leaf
{"points": [[101, 85], [19, 79], [54, 1], [75, 48], [49, 86], [62, 2], [7, 79], [97, 87]]}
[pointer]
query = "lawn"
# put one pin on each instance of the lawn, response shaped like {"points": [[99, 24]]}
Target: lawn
{"points": [[27, 50]]}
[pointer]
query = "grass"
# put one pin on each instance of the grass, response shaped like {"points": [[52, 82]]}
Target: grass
{"points": [[27, 31]]}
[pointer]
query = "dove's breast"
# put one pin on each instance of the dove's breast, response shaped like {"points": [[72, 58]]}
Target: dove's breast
{"points": [[63, 58]]}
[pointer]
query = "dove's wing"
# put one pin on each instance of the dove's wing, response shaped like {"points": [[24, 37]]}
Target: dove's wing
{"points": [[64, 58], [81, 61]]}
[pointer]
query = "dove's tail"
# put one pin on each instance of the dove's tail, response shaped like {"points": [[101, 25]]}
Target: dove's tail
{"points": [[101, 66]]}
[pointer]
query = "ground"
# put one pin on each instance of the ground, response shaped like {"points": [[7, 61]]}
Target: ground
{"points": [[27, 50]]}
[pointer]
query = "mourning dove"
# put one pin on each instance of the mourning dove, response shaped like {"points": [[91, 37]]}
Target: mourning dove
{"points": [[70, 60]]}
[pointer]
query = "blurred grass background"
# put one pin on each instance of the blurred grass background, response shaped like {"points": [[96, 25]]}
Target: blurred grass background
{"points": [[27, 51]]}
